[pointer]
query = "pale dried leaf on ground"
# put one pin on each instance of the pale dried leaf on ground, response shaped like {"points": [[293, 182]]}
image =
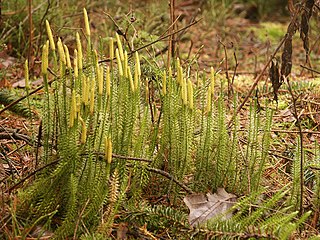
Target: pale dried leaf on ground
{"points": [[206, 206]]}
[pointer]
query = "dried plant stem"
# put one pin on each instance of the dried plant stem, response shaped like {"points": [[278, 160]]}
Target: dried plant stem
{"points": [[295, 131], [30, 51], [167, 175], [171, 37], [150, 169], [235, 70], [310, 69], [226, 66]]}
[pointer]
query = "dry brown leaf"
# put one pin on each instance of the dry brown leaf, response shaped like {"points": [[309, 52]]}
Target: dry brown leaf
{"points": [[206, 206], [122, 231], [274, 76]]}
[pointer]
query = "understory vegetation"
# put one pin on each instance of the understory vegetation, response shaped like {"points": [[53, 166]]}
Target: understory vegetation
{"points": [[137, 138]]}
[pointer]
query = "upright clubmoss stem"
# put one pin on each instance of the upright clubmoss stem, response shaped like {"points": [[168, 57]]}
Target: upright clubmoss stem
{"points": [[121, 53], [68, 61], [92, 95], [44, 70], [85, 90], [184, 93], [100, 79], [108, 84], [83, 131], [111, 48], [138, 63], [50, 36], [120, 69], [190, 94], [212, 78], [136, 77], [45, 61], [111, 51], [75, 66], [108, 149], [180, 76], [164, 83], [87, 27], [26, 75], [79, 49], [73, 109], [130, 80], [209, 93], [61, 52], [125, 65], [51, 41]]}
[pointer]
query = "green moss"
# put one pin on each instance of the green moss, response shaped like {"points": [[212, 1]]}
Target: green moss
{"points": [[269, 31]]}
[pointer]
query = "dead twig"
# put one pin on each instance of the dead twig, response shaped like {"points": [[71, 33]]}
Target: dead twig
{"points": [[32, 174], [226, 66], [310, 69], [150, 169], [17, 136], [167, 175], [235, 70], [295, 131]]}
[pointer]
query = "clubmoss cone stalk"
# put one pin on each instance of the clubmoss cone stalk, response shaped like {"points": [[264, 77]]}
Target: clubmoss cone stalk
{"points": [[130, 80], [138, 63], [178, 65], [209, 93], [45, 53], [26, 74], [100, 79], [108, 149], [61, 52], [86, 22], [49, 32], [190, 94], [184, 93], [78, 98], [79, 49], [73, 109], [147, 90], [85, 90], [136, 77], [68, 61], [108, 84], [121, 53], [120, 69], [83, 131], [75, 64], [180, 76], [212, 78], [111, 48], [164, 83], [92, 95], [125, 64]]}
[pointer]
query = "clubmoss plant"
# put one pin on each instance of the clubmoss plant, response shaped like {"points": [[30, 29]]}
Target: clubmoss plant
{"points": [[107, 123]]}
